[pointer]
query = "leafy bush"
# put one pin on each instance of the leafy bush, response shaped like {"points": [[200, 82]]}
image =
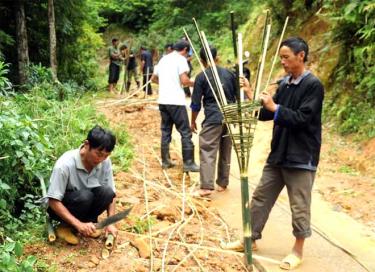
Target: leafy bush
{"points": [[353, 83], [35, 129], [5, 84], [10, 257]]}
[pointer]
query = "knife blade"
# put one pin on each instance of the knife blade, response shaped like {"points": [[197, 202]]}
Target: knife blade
{"points": [[113, 219]]}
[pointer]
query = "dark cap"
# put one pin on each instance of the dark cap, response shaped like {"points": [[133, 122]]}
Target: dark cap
{"points": [[181, 45]]}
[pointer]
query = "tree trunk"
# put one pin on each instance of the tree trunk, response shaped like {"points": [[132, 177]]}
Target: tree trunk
{"points": [[22, 47], [52, 39]]}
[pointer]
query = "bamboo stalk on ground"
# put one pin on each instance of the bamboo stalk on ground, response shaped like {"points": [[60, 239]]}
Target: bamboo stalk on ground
{"points": [[51, 235], [148, 214], [191, 202], [201, 247]]}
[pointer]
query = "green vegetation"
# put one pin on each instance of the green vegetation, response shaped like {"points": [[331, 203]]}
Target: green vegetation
{"points": [[40, 119], [351, 100], [35, 129], [141, 226]]}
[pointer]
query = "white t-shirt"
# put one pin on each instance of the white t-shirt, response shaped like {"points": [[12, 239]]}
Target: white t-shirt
{"points": [[168, 70]]}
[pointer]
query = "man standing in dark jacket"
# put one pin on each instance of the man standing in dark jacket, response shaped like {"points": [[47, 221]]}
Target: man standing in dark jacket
{"points": [[296, 110]]}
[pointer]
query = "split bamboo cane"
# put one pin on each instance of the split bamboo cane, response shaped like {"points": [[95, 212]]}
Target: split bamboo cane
{"points": [[276, 54]]}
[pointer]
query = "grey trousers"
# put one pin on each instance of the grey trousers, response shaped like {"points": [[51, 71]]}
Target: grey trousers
{"points": [[211, 141], [299, 184]]}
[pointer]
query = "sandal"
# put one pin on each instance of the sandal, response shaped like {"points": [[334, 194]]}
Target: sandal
{"points": [[290, 262], [237, 246]]}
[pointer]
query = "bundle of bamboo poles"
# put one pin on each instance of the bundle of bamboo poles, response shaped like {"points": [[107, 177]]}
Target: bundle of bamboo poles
{"points": [[240, 117]]}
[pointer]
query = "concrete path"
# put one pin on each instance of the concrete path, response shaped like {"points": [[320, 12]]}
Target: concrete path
{"points": [[332, 229]]}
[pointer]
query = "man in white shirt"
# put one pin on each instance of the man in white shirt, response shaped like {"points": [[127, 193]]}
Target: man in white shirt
{"points": [[171, 74]]}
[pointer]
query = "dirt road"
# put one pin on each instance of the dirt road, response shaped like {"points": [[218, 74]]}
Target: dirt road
{"points": [[187, 233]]}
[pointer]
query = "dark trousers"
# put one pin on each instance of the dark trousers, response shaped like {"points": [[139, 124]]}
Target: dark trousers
{"points": [[214, 139], [299, 184], [114, 73], [175, 115], [146, 78], [86, 204]]}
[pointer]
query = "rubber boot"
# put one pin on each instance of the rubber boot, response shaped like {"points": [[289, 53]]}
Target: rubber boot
{"points": [[96, 234], [65, 233], [166, 158], [188, 157]]}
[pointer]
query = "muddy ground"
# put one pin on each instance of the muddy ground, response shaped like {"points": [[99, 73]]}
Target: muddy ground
{"points": [[187, 232]]}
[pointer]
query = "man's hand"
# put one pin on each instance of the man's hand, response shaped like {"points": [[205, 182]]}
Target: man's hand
{"points": [[245, 85], [268, 102], [85, 229], [193, 127], [111, 229]]}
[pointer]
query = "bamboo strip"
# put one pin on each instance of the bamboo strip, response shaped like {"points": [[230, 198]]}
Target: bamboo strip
{"points": [[240, 63], [147, 212], [277, 53], [262, 62]]}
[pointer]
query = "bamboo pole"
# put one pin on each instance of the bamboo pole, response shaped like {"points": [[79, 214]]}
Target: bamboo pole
{"points": [[201, 65], [211, 64], [214, 69], [262, 61], [233, 28], [261, 47], [51, 235], [246, 224], [277, 53], [240, 63]]}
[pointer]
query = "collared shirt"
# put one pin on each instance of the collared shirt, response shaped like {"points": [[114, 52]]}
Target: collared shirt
{"points": [[289, 80], [114, 50], [69, 174]]}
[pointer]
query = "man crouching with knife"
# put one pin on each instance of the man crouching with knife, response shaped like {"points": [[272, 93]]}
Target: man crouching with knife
{"points": [[81, 187]]}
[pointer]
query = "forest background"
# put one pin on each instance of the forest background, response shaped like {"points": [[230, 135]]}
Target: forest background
{"points": [[47, 87]]}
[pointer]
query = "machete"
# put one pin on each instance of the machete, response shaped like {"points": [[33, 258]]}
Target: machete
{"points": [[113, 219]]}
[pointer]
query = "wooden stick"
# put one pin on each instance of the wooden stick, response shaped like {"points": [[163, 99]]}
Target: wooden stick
{"points": [[277, 53]]}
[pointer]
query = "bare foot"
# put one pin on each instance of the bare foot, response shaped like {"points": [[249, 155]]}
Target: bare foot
{"points": [[220, 188], [202, 193]]}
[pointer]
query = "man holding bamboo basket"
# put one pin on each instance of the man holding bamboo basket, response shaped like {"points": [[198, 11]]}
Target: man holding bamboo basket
{"points": [[296, 110]]}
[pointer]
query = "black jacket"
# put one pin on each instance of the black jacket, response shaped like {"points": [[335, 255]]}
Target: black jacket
{"points": [[297, 127]]}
